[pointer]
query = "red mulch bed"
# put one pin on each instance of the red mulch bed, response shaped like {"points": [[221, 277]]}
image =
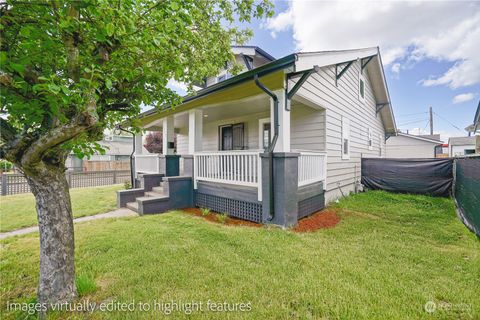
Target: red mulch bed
{"points": [[212, 216], [327, 218]]}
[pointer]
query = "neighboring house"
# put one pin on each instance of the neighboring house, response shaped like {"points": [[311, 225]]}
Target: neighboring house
{"points": [[118, 147], [460, 146], [271, 144], [406, 145]]}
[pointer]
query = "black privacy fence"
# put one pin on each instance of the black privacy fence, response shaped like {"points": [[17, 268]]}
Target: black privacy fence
{"points": [[457, 177], [467, 191]]}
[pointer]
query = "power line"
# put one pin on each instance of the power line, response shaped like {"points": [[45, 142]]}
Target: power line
{"points": [[448, 122], [414, 121], [411, 114]]}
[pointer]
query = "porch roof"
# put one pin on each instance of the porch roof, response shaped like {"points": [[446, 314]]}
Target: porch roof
{"points": [[273, 76]]}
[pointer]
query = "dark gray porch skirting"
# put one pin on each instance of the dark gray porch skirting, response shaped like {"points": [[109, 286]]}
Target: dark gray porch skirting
{"points": [[238, 201]]}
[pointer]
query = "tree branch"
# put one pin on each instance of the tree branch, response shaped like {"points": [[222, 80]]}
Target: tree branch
{"points": [[61, 134], [71, 44]]}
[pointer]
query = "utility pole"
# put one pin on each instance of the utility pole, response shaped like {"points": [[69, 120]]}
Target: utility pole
{"points": [[431, 121]]}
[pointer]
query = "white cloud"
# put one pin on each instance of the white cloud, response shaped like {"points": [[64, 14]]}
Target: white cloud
{"points": [[463, 97], [396, 68], [405, 31]]}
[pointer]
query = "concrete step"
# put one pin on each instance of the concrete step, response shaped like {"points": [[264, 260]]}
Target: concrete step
{"points": [[132, 206], [158, 189], [153, 199], [154, 194]]}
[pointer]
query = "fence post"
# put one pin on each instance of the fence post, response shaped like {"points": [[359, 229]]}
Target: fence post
{"points": [[69, 179], [4, 184], [114, 177]]}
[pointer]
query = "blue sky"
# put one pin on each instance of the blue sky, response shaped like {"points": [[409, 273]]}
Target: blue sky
{"points": [[418, 62]]}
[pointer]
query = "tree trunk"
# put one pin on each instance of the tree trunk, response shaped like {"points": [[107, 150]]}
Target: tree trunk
{"points": [[54, 211]]}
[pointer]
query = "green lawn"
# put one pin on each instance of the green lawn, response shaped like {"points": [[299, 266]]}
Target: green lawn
{"points": [[18, 211], [389, 255]]}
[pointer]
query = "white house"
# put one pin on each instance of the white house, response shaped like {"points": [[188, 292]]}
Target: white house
{"points": [[460, 146], [405, 145], [275, 142]]}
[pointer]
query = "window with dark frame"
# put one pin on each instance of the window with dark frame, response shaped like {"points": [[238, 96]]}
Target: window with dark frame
{"points": [[231, 137]]}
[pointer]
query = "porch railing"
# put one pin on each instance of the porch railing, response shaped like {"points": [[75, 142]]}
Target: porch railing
{"points": [[147, 163], [231, 167], [312, 167]]}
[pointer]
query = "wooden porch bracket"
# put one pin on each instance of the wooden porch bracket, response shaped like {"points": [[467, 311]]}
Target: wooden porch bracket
{"points": [[365, 61], [300, 82], [380, 106], [342, 72]]}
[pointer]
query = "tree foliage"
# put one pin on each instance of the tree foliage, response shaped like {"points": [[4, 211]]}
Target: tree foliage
{"points": [[154, 142], [70, 69]]}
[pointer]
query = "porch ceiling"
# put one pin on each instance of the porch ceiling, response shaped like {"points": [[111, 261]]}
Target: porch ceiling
{"points": [[228, 95]]}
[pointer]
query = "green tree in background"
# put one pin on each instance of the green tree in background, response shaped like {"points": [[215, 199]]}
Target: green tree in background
{"points": [[70, 69]]}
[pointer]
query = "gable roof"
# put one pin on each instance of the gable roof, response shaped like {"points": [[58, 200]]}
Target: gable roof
{"points": [[476, 121], [422, 138], [254, 50], [303, 61]]}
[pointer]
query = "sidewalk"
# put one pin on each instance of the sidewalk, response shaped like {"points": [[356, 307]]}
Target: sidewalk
{"points": [[122, 212]]}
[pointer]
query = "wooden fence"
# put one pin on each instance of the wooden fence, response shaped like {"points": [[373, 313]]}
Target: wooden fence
{"points": [[90, 165], [15, 183]]}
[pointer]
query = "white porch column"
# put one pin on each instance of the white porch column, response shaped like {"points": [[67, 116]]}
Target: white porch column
{"points": [[168, 135], [195, 131], [283, 141], [138, 143]]}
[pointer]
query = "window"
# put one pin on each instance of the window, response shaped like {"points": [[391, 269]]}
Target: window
{"points": [[369, 139], [345, 138], [264, 133], [223, 77], [361, 87], [231, 137]]}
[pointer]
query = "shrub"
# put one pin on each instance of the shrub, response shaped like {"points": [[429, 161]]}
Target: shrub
{"points": [[5, 165], [222, 218], [127, 185], [205, 211]]}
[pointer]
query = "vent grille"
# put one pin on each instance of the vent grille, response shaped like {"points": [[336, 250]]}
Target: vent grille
{"points": [[235, 208]]}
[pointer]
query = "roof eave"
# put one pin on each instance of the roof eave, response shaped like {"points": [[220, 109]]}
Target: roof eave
{"points": [[270, 67]]}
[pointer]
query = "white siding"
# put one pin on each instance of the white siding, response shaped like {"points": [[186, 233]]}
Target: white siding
{"points": [[307, 128], [210, 130], [343, 101], [182, 141], [405, 147]]}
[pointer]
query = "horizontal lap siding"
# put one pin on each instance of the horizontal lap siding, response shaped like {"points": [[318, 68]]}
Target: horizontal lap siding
{"points": [[343, 101], [182, 141], [307, 128], [210, 131], [405, 147]]}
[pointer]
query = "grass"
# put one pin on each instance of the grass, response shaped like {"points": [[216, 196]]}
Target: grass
{"points": [[18, 211], [389, 255]]}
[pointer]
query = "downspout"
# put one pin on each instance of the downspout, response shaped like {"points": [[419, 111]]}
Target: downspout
{"points": [[271, 145], [132, 161]]}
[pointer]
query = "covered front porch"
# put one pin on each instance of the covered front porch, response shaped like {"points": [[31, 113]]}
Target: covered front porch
{"points": [[248, 153]]}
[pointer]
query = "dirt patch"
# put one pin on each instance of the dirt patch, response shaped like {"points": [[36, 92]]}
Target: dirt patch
{"points": [[214, 217], [326, 218]]}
